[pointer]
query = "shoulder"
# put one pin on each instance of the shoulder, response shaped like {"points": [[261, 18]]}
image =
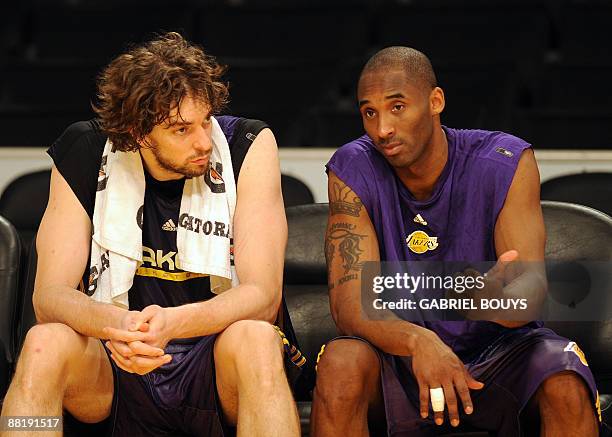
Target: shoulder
{"points": [[239, 129], [82, 137], [358, 155], [240, 133], [77, 155], [489, 149], [359, 166]]}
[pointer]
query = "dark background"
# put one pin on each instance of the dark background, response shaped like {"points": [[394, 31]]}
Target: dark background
{"points": [[536, 68]]}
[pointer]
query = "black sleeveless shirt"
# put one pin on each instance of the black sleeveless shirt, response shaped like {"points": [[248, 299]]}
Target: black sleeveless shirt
{"points": [[77, 155]]}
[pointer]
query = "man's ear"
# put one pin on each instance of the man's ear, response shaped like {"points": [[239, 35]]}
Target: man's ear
{"points": [[436, 101]]}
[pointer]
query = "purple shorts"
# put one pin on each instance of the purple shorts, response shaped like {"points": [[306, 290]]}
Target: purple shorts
{"points": [[512, 368], [179, 398]]}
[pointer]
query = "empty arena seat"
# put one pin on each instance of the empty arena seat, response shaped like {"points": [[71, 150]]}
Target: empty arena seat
{"points": [[23, 203], [102, 30], [49, 84], [290, 30], [561, 85], [478, 95], [306, 295], [590, 189], [565, 129], [295, 192], [36, 125], [10, 254], [467, 31], [585, 32], [579, 233]]}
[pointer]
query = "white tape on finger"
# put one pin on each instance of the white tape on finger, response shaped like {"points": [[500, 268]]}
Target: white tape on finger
{"points": [[437, 399]]}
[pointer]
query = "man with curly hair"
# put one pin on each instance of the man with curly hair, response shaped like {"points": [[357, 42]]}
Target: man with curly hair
{"points": [[181, 217]]}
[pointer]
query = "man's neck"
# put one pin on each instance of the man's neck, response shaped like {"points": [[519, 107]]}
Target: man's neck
{"points": [[421, 177]]}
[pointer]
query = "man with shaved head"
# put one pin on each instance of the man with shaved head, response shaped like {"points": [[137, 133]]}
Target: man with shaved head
{"points": [[412, 189]]}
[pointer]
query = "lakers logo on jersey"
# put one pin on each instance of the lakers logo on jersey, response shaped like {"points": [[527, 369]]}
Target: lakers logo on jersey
{"points": [[419, 242], [573, 347]]}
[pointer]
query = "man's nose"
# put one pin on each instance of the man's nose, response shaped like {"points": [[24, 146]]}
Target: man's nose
{"points": [[386, 129], [203, 141]]}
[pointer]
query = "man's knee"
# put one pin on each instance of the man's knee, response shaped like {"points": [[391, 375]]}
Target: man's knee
{"points": [[252, 346], [46, 351], [50, 343], [348, 372], [564, 392]]}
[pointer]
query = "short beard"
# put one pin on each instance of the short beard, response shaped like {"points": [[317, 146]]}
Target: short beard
{"points": [[185, 170]]}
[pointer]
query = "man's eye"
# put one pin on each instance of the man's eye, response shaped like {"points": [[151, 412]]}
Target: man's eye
{"points": [[181, 131], [368, 113], [398, 107]]}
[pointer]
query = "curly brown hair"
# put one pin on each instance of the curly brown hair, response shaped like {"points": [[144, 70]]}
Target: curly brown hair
{"points": [[140, 88]]}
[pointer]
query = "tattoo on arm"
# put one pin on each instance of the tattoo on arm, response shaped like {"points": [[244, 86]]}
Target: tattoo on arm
{"points": [[344, 201], [348, 246], [330, 249]]}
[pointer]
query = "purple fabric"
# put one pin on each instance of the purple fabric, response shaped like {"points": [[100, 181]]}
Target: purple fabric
{"points": [[511, 368], [227, 124], [461, 212], [178, 398]]}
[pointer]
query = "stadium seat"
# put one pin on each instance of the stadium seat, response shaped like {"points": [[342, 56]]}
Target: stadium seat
{"points": [[10, 254], [306, 294], [16, 123], [295, 192], [579, 233], [585, 28], [565, 129], [96, 31], [467, 31], [589, 189], [49, 84], [307, 298], [558, 85], [23, 203], [289, 30]]}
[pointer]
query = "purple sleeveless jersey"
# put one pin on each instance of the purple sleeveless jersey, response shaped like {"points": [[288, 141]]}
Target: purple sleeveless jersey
{"points": [[457, 224], [461, 212]]}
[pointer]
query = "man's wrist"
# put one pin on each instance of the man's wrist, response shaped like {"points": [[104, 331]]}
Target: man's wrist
{"points": [[415, 336], [174, 321], [183, 321]]}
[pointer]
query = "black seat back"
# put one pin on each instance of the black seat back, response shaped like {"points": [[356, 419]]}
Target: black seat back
{"points": [[295, 192], [589, 189], [578, 233], [23, 203], [10, 258], [306, 278]]}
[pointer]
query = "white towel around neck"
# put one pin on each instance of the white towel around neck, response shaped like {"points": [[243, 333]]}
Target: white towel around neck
{"points": [[204, 231]]}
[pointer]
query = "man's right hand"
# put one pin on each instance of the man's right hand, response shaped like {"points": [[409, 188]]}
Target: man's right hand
{"points": [[128, 349], [435, 365]]}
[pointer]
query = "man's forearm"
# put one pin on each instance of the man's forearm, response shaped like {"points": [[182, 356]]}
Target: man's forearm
{"points": [[244, 302], [394, 336], [73, 308]]}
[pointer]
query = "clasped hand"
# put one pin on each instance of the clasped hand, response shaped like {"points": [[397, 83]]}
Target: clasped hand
{"points": [[138, 346]]}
